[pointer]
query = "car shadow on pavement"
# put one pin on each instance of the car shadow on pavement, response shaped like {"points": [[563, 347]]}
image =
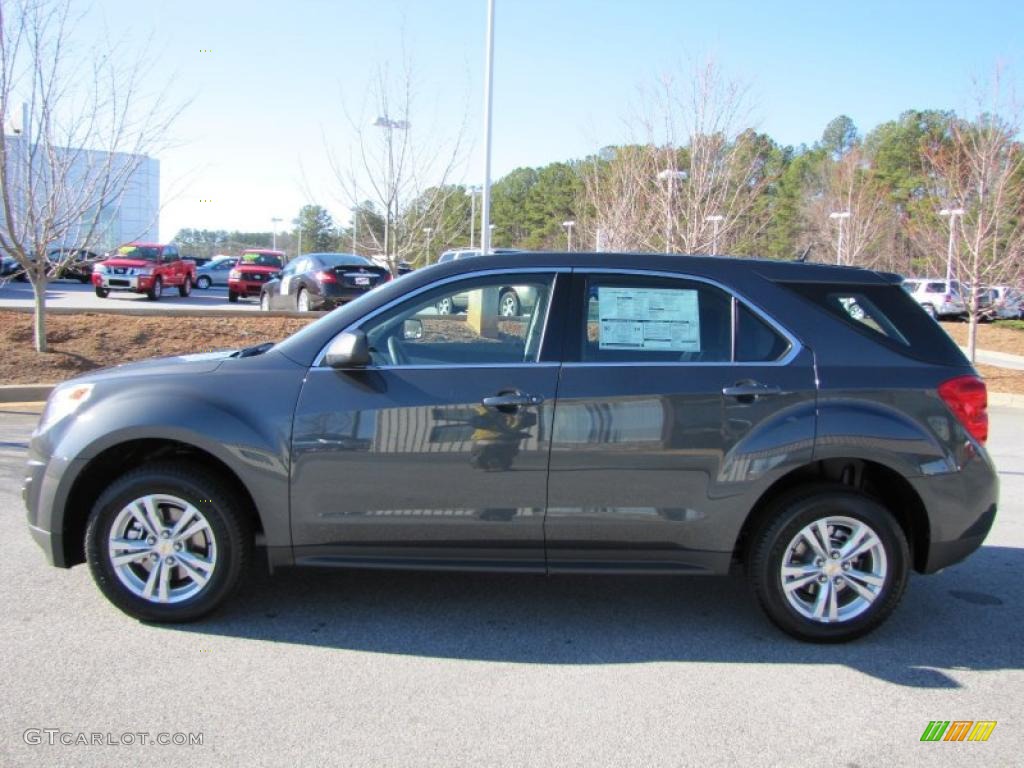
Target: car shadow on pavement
{"points": [[967, 618]]}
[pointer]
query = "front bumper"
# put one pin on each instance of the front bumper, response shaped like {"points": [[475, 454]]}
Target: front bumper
{"points": [[135, 283], [246, 287]]}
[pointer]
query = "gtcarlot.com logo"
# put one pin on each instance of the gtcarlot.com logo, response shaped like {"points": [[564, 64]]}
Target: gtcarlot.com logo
{"points": [[60, 737], [958, 730]]}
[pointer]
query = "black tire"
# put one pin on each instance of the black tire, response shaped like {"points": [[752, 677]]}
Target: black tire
{"points": [[185, 288], [231, 530], [102, 292], [445, 306], [786, 518], [154, 293], [232, 297], [203, 282]]}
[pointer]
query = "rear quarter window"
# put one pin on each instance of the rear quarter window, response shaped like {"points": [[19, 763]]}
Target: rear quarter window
{"points": [[886, 314]]}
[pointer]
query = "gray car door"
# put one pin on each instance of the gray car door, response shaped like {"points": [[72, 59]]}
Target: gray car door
{"points": [[438, 452], [668, 423]]}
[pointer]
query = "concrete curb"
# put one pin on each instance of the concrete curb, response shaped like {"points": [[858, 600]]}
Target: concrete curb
{"points": [[239, 315]]}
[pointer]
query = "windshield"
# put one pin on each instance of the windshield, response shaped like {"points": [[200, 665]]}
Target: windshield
{"points": [[261, 260], [144, 252]]}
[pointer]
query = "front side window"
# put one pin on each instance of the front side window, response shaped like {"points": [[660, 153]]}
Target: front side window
{"points": [[482, 321]]}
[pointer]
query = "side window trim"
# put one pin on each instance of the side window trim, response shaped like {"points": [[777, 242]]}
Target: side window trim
{"points": [[795, 346]]}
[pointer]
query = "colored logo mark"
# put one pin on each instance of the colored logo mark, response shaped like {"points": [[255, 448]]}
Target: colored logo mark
{"points": [[958, 730]]}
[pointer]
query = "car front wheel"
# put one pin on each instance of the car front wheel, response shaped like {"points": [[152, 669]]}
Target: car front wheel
{"points": [[102, 292], [167, 542], [829, 564], [185, 288], [203, 282], [154, 293]]}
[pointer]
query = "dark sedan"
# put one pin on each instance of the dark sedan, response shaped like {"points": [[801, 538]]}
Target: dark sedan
{"points": [[322, 281]]}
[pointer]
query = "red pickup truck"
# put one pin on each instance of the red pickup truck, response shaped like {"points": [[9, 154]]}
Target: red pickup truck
{"points": [[144, 268], [255, 267]]}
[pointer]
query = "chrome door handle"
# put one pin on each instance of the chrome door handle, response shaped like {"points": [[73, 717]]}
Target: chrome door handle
{"points": [[511, 400], [750, 391]]}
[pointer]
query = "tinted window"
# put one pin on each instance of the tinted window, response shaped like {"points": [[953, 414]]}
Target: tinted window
{"points": [[935, 288], [463, 324], [636, 319], [888, 315], [342, 260], [756, 341], [261, 260]]}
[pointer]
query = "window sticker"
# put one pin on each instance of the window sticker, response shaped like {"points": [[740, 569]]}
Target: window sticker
{"points": [[656, 319]]}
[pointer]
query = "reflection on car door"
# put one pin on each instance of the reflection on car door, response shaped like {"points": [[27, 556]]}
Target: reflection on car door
{"points": [[648, 454], [438, 452]]}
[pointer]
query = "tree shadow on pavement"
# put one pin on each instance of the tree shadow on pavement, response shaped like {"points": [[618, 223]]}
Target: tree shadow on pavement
{"points": [[969, 617]]}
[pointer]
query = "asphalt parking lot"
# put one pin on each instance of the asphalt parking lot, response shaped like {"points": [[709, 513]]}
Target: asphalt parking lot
{"points": [[69, 294], [372, 668]]}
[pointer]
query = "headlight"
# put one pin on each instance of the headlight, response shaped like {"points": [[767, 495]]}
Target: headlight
{"points": [[99, 268], [64, 401], [234, 274], [144, 271]]}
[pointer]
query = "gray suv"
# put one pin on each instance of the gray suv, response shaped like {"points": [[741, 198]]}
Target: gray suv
{"points": [[808, 425]]}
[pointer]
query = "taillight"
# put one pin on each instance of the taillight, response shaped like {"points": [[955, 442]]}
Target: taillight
{"points": [[967, 397], [324, 276]]}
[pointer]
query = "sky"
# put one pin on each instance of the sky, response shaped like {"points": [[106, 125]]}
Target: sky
{"points": [[271, 90]]}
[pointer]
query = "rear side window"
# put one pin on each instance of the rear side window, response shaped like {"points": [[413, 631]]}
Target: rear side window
{"points": [[887, 314], [756, 341], [935, 288]]}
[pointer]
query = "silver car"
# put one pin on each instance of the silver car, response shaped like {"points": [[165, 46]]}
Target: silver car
{"points": [[513, 300], [215, 271], [939, 297]]}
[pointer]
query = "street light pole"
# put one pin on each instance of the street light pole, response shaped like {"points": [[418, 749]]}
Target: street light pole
{"points": [[485, 199], [355, 227], [389, 125], [839, 216], [568, 233], [275, 221], [952, 213], [670, 175], [472, 215], [715, 219]]}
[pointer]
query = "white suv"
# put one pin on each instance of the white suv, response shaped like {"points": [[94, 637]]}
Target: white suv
{"points": [[939, 297]]}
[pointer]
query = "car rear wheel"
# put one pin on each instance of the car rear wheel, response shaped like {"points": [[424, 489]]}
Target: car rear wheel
{"points": [[232, 297], [302, 300], [185, 288], [829, 564], [444, 306], [167, 542], [154, 293], [203, 282], [102, 292], [508, 304]]}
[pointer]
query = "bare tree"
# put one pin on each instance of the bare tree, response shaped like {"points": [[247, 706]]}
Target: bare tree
{"points": [[846, 184], [980, 169], [83, 134], [390, 165]]}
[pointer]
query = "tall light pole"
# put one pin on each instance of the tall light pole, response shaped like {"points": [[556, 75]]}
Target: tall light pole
{"points": [[568, 233], [274, 220], [485, 199], [839, 216], [390, 126], [715, 219], [670, 175], [952, 213], [429, 231]]}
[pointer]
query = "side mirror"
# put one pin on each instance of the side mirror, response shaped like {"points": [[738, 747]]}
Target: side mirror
{"points": [[349, 350], [412, 330]]}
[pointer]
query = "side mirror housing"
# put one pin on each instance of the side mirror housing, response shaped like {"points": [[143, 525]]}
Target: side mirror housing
{"points": [[348, 350]]}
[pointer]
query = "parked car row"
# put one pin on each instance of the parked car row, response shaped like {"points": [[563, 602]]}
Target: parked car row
{"points": [[946, 299]]}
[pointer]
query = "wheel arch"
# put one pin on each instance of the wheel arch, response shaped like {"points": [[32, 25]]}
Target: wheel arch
{"points": [[883, 483], [121, 457]]}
